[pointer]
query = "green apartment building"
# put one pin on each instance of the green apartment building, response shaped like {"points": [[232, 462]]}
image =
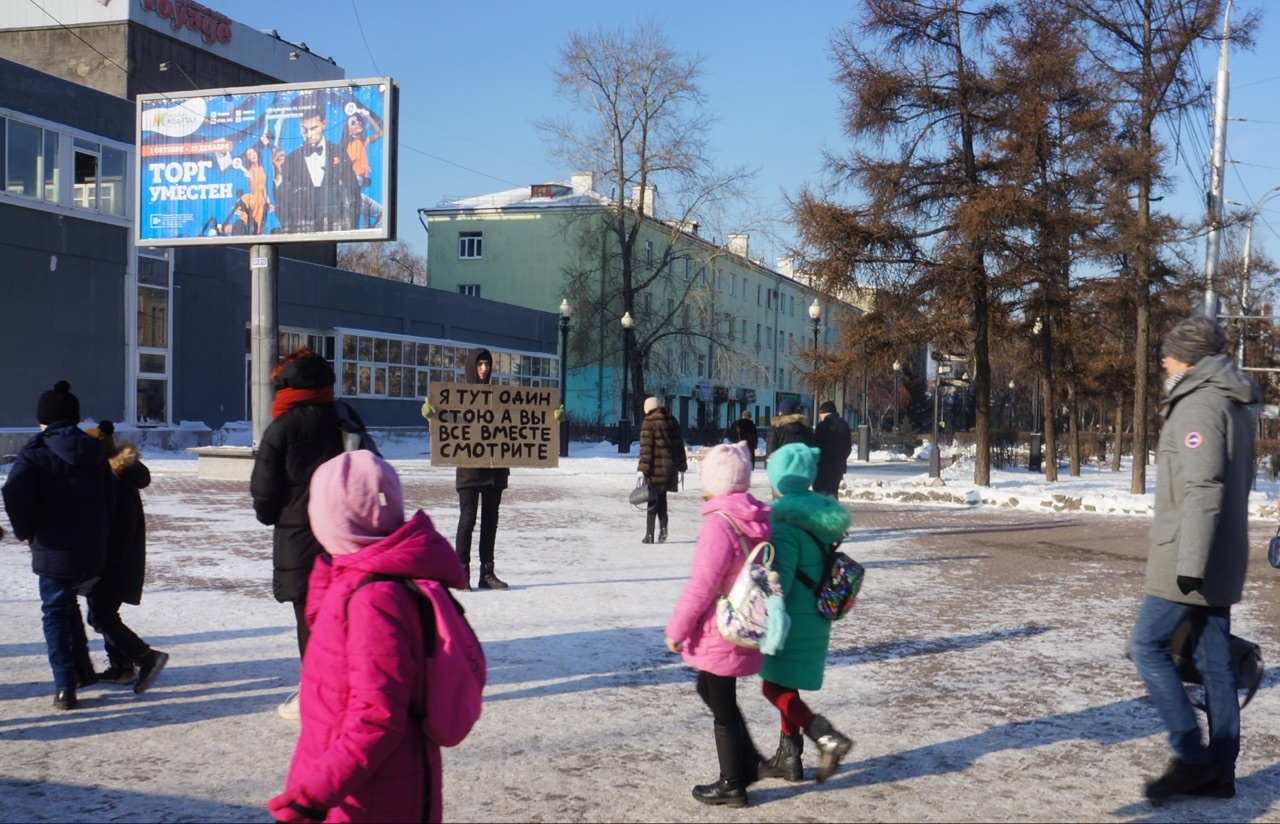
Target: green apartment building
{"points": [[715, 332]]}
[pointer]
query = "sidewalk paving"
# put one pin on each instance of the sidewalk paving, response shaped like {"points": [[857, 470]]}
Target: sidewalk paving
{"points": [[981, 674]]}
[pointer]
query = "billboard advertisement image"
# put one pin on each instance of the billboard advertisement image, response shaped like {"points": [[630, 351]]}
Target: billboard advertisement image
{"points": [[267, 164]]}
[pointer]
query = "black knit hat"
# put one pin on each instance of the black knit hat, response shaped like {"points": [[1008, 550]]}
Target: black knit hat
{"points": [[827, 406], [58, 404], [1194, 339]]}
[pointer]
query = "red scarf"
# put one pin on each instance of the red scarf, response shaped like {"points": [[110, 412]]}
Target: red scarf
{"points": [[287, 398]]}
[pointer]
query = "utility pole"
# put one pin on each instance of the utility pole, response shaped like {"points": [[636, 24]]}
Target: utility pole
{"points": [[1217, 158]]}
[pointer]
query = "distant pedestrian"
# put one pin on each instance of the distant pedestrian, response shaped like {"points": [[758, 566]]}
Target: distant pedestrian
{"points": [[727, 510], [803, 525], [745, 429], [788, 426], [308, 428], [1199, 554], [835, 445], [662, 462], [59, 497], [362, 753], [479, 490], [130, 660]]}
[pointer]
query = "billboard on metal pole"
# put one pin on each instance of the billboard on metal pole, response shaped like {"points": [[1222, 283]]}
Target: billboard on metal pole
{"points": [[300, 162]]}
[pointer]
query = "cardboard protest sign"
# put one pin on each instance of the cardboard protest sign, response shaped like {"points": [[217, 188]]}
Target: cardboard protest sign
{"points": [[479, 425]]}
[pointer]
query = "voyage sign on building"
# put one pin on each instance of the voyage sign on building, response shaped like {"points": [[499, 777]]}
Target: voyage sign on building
{"points": [[480, 425], [267, 164]]}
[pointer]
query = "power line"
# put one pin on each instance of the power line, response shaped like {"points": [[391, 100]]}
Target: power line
{"points": [[360, 25]]}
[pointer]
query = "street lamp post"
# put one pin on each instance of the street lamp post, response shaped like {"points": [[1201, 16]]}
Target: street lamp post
{"points": [[864, 427], [815, 315], [935, 459], [1011, 388], [624, 423], [1035, 455], [565, 311], [1244, 278], [413, 276], [897, 370]]}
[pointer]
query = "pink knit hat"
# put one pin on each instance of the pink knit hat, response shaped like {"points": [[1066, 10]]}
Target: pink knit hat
{"points": [[726, 469], [355, 501]]}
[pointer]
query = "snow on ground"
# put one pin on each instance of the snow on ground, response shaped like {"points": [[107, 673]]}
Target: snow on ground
{"points": [[981, 675]]}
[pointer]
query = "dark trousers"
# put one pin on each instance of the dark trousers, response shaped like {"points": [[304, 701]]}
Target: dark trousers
{"points": [[122, 644], [656, 511], [720, 694], [64, 634], [300, 617], [487, 501], [739, 758]]}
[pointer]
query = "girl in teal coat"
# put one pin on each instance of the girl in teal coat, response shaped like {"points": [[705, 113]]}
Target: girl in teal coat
{"points": [[804, 525]]}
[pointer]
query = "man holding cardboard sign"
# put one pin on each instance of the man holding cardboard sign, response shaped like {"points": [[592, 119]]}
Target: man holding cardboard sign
{"points": [[484, 430]]}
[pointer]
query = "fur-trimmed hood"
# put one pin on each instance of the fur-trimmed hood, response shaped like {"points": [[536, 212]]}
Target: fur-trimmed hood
{"points": [[784, 420], [124, 456]]}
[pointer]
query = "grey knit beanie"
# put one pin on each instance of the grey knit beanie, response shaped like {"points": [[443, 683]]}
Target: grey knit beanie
{"points": [[1194, 339]]}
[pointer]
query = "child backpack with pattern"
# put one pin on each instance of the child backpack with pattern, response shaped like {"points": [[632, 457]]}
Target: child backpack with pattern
{"points": [[841, 581], [753, 614]]}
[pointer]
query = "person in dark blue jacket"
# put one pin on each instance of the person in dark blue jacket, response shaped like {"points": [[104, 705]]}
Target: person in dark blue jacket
{"points": [[59, 498]]}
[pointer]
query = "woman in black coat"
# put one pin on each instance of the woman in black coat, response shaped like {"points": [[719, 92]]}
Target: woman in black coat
{"points": [[130, 659], [662, 459]]}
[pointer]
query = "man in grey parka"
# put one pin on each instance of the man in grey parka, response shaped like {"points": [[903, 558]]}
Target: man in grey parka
{"points": [[1199, 552]]}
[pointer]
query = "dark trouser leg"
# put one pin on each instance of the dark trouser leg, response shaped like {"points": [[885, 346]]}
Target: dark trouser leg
{"points": [[122, 644], [739, 761], [490, 500], [60, 612], [300, 616], [1213, 659], [661, 508], [468, 503]]}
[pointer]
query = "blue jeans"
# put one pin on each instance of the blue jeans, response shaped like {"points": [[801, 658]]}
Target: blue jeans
{"points": [[1210, 634], [64, 634]]}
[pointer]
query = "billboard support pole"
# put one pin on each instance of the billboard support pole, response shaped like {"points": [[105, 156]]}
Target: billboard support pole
{"points": [[264, 263]]}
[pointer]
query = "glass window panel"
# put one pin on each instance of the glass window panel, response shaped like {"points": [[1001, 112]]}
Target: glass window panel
{"points": [[113, 182], [379, 380], [366, 380], [380, 350], [348, 347], [366, 350], [504, 363], [408, 359], [424, 354], [348, 377], [394, 378], [84, 192], [394, 351], [151, 362], [51, 166], [153, 271], [151, 400], [22, 169], [153, 318], [424, 382]]}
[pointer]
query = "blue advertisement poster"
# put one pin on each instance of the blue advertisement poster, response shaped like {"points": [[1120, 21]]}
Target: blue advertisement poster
{"points": [[267, 164]]}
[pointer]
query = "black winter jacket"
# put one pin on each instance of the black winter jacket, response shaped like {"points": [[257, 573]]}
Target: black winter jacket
{"points": [[835, 444], [59, 496], [127, 543], [472, 477], [662, 454], [292, 448], [787, 429]]}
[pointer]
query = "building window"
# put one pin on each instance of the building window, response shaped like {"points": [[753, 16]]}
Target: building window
{"points": [[470, 245], [471, 290], [374, 365], [648, 253], [31, 168], [768, 337]]}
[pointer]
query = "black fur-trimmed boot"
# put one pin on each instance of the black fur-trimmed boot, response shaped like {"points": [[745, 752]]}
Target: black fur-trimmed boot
{"points": [[730, 790], [786, 763], [831, 744]]}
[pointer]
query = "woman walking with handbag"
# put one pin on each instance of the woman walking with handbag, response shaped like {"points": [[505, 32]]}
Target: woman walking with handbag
{"points": [[692, 630], [662, 460], [804, 525]]}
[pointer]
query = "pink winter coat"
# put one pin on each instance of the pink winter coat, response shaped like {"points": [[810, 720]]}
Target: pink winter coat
{"points": [[360, 755], [717, 557]]}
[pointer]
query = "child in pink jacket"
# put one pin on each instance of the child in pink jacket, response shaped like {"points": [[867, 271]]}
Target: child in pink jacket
{"points": [[361, 755], [717, 558]]}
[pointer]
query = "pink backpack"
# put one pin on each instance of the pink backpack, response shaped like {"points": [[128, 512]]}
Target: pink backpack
{"points": [[455, 662]]}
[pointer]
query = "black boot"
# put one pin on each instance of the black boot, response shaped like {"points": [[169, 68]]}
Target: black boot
{"points": [[662, 535], [831, 744], [647, 539], [730, 790], [488, 580], [467, 569], [786, 762]]}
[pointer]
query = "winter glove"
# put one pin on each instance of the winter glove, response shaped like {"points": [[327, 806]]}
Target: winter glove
{"points": [[428, 411], [559, 413], [290, 808], [1189, 585]]}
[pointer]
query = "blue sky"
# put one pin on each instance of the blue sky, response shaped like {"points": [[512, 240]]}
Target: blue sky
{"points": [[474, 77]]}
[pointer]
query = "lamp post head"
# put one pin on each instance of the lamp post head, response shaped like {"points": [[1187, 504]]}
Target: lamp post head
{"points": [[565, 310], [815, 311], [897, 365], [627, 322], [1012, 385]]}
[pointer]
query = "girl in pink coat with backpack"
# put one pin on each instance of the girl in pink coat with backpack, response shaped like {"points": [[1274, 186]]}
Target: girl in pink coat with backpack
{"points": [[692, 632], [362, 754]]}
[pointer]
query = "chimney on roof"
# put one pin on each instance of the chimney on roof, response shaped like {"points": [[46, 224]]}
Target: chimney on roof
{"points": [[650, 206], [582, 182], [738, 244]]}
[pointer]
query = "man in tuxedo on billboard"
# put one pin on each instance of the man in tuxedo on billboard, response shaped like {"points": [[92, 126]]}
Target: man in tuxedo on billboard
{"points": [[316, 187]]}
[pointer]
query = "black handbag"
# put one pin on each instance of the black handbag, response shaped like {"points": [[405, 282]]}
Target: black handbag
{"points": [[643, 495], [1246, 662]]}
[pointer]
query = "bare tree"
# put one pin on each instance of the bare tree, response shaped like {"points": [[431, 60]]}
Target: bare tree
{"points": [[638, 124], [393, 260]]}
